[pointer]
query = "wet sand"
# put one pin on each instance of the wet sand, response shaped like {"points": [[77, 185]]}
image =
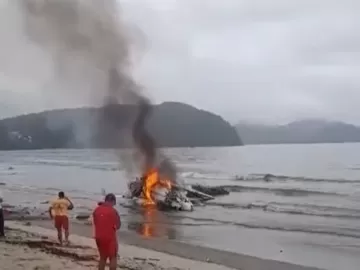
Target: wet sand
{"points": [[141, 253]]}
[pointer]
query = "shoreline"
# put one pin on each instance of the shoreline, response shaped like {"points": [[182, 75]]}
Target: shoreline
{"points": [[82, 254], [27, 247], [169, 254]]}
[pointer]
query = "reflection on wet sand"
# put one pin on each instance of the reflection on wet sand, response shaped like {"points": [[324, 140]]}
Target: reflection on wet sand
{"points": [[150, 223]]}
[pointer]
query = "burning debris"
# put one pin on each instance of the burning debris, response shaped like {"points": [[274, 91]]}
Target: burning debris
{"points": [[153, 190]]}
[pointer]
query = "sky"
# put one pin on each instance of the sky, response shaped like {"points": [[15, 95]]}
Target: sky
{"points": [[264, 61]]}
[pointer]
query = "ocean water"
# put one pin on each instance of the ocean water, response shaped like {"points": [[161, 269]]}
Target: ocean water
{"points": [[295, 203]]}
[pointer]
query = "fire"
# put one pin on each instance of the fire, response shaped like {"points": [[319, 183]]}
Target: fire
{"points": [[150, 182], [152, 179]]}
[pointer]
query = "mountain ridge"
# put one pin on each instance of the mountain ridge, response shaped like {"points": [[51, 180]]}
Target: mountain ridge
{"points": [[300, 131], [173, 124]]}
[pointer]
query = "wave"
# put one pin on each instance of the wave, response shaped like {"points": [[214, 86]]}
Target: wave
{"points": [[280, 191], [197, 175], [110, 166], [52, 191], [264, 177], [253, 177], [283, 178], [295, 209]]}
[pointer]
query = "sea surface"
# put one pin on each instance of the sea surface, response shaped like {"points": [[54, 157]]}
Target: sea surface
{"points": [[294, 203]]}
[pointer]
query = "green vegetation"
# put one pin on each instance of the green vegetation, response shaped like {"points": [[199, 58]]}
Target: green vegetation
{"points": [[304, 131], [172, 125]]}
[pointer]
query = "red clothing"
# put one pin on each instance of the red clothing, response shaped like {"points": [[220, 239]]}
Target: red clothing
{"points": [[107, 248], [106, 222], [61, 222]]}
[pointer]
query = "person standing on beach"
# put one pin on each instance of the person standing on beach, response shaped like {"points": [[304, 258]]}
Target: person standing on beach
{"points": [[59, 212], [106, 222], [2, 219]]}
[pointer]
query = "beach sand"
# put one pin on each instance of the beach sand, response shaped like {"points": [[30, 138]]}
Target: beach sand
{"points": [[32, 245], [23, 250]]}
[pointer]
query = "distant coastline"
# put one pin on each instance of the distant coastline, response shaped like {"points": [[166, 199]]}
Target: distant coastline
{"points": [[172, 125], [311, 131]]}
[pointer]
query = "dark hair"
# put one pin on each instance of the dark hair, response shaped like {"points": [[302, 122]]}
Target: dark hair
{"points": [[110, 197], [61, 194]]}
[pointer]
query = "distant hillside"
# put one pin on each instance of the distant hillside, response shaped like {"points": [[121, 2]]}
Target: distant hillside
{"points": [[304, 131], [172, 125]]}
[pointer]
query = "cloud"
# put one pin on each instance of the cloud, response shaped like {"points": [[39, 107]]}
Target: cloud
{"points": [[272, 61]]}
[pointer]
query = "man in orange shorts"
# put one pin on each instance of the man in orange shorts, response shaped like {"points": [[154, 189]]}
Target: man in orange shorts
{"points": [[106, 221], [59, 212]]}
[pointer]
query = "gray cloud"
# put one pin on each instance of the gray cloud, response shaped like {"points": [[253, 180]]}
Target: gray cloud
{"points": [[272, 61]]}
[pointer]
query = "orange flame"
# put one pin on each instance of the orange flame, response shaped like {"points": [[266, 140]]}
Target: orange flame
{"points": [[152, 180]]}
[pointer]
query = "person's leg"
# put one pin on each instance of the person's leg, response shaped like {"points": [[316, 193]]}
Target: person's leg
{"points": [[66, 228], [102, 253], [58, 225], [66, 232], [2, 225], [102, 263], [113, 252], [113, 263], [59, 235]]}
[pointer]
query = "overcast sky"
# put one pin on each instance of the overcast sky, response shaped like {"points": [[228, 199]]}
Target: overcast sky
{"points": [[258, 60]]}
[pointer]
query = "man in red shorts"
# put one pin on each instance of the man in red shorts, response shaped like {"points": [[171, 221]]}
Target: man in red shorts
{"points": [[59, 212], [106, 221]]}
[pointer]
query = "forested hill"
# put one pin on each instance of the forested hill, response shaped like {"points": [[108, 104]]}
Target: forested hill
{"points": [[172, 125], [302, 131]]}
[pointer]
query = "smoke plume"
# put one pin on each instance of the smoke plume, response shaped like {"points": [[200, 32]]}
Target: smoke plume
{"points": [[89, 45]]}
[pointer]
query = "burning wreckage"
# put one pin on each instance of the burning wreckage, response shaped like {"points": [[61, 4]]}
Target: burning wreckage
{"points": [[154, 191], [158, 186]]}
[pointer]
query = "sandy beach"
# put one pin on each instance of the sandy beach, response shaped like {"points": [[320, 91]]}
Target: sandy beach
{"points": [[32, 245], [23, 250]]}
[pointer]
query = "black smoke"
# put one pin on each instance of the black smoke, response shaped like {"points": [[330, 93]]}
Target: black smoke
{"points": [[88, 42]]}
